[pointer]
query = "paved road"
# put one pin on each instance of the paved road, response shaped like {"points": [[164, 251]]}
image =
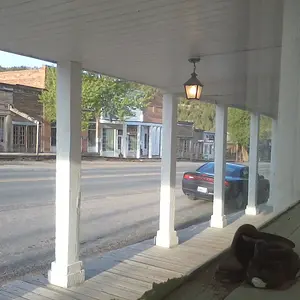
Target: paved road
{"points": [[120, 206]]}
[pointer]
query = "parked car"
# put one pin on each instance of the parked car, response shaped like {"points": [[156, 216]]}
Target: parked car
{"points": [[200, 184]]}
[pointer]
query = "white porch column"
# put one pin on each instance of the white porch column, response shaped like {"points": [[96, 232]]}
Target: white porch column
{"points": [[97, 135], [138, 141], [285, 189], [101, 140], [150, 141], [125, 141], [166, 235], [252, 208], [161, 142], [116, 151], [8, 133], [67, 270], [273, 163], [218, 219]]}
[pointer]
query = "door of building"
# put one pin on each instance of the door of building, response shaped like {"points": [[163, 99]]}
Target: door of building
{"points": [[2, 138], [24, 138]]}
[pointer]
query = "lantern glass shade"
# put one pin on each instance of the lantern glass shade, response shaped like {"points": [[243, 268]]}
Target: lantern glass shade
{"points": [[193, 92], [193, 88]]}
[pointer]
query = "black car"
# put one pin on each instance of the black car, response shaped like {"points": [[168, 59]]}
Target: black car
{"points": [[200, 184]]}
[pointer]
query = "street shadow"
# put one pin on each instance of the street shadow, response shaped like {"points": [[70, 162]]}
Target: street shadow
{"points": [[108, 261], [189, 233], [113, 261]]}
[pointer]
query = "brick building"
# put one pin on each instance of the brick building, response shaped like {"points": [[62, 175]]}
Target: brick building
{"points": [[22, 89], [17, 133]]}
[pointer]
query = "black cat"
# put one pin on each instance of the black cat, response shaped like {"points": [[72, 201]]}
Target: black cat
{"points": [[245, 238], [273, 266], [242, 250]]}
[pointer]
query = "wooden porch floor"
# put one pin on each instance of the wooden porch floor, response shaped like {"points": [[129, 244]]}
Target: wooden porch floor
{"points": [[129, 272]]}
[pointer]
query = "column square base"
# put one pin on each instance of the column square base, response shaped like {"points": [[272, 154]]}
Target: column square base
{"points": [[166, 239], [252, 211], [218, 221], [66, 277]]}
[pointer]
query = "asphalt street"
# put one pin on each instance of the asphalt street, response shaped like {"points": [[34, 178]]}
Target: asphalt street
{"points": [[120, 206]]}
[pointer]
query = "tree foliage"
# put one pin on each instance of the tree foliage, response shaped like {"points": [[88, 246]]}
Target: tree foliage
{"points": [[203, 117], [239, 126], [265, 132], [239, 130], [200, 113], [100, 95]]}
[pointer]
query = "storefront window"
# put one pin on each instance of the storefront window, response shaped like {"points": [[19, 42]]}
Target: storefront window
{"points": [[120, 138], [1, 129], [31, 136], [185, 145], [92, 135], [119, 142], [19, 135], [108, 139], [53, 134], [132, 133], [146, 139], [132, 142]]}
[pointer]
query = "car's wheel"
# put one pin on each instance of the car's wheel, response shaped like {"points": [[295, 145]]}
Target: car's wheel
{"points": [[239, 201], [192, 197]]}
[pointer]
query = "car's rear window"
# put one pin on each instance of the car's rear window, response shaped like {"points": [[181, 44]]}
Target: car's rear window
{"points": [[210, 169]]}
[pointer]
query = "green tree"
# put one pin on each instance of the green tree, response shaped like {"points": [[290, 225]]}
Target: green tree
{"points": [[100, 94], [239, 130], [239, 126], [265, 131], [200, 113], [118, 99], [203, 116]]}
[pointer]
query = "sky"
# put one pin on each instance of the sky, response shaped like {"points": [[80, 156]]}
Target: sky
{"points": [[14, 60]]}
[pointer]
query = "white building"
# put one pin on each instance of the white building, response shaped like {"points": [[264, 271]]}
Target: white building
{"points": [[131, 138], [135, 138]]}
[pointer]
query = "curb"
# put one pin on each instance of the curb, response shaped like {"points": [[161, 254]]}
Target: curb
{"points": [[85, 157]]}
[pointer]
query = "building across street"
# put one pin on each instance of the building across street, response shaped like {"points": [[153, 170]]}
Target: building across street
{"points": [[139, 136]]}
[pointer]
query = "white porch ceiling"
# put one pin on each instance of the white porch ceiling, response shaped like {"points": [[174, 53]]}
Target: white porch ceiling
{"points": [[150, 41]]}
